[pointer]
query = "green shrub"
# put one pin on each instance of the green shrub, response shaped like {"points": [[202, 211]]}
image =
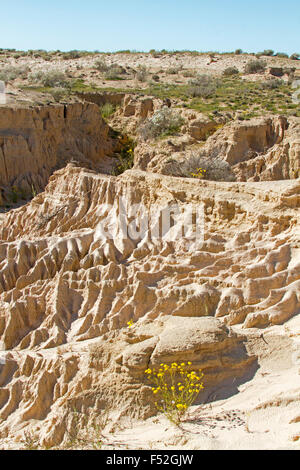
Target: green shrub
{"points": [[212, 168], [238, 51], [173, 70], [53, 79], [255, 66], [101, 65], [272, 84], [203, 86], [282, 55], [107, 110], [164, 122], [295, 56], [10, 73], [114, 72], [58, 93], [229, 71], [141, 73], [125, 157], [268, 52]]}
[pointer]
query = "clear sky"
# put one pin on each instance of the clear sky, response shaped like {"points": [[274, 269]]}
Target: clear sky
{"points": [[109, 25]]}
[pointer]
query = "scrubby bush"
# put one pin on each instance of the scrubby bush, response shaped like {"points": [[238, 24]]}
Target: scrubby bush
{"points": [[175, 388], [203, 86], [163, 122], [189, 73], [238, 51], [58, 93], [107, 110], [73, 55], [282, 55], [229, 71], [173, 70], [295, 56], [114, 72], [53, 79], [10, 73], [200, 166], [268, 52], [101, 65], [255, 66], [272, 84], [142, 73]]}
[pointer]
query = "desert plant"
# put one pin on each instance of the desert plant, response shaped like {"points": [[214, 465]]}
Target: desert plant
{"points": [[282, 55], [255, 66], [202, 86], [173, 70], [295, 56], [58, 93], [272, 84], [163, 122], [125, 157], [101, 65], [176, 387], [141, 73], [107, 110], [10, 73], [268, 52], [52, 79], [229, 71], [212, 168], [113, 72], [238, 51], [199, 173]]}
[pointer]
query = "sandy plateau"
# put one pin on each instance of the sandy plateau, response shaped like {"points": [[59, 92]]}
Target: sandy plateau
{"points": [[72, 373]]}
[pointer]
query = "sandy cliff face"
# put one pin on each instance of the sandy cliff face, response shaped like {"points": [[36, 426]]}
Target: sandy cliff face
{"points": [[34, 141]]}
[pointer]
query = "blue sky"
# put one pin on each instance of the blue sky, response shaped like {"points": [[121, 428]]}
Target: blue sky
{"points": [[109, 25]]}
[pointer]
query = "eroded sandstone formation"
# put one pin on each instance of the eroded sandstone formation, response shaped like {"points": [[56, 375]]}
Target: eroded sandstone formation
{"points": [[67, 291]]}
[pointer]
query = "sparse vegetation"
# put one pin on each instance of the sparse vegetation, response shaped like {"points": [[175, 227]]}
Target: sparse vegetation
{"points": [[255, 66], [125, 156], [58, 93], [107, 110], [176, 389], [268, 52], [229, 71], [203, 86], [142, 73], [201, 167], [113, 72], [10, 73], [52, 79], [164, 122]]}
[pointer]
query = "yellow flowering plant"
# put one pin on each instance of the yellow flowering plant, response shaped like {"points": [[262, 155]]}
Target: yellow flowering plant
{"points": [[177, 388], [130, 323], [200, 173]]}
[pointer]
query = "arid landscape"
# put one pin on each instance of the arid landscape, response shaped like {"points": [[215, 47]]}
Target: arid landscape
{"points": [[92, 141]]}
